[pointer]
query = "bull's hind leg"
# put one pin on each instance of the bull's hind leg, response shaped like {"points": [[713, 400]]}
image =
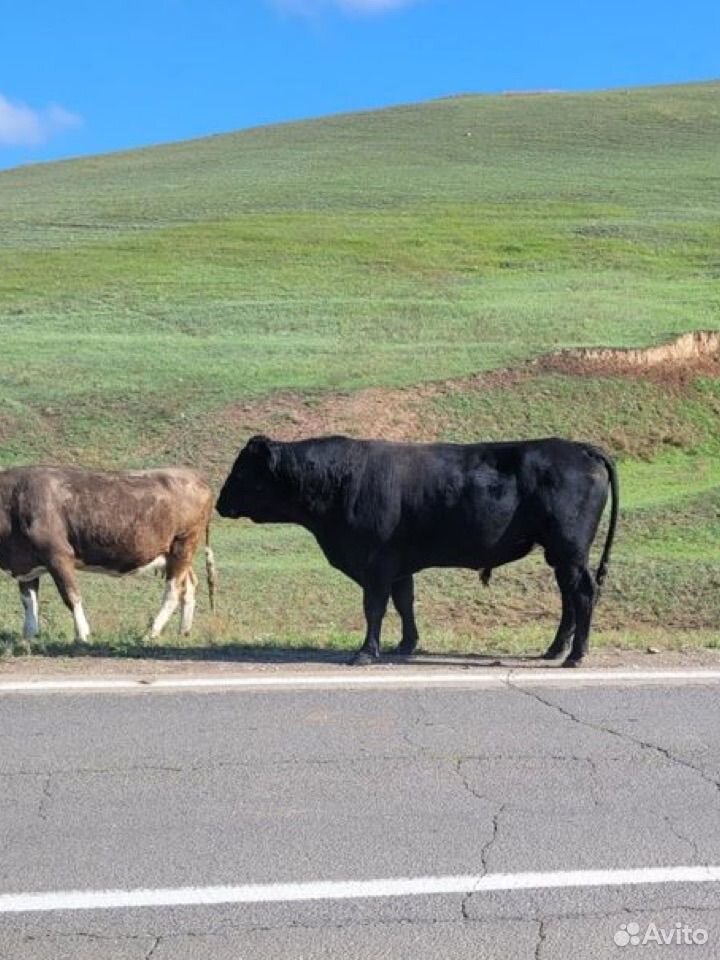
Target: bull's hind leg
{"points": [[62, 570], [578, 583], [29, 596], [403, 596], [566, 628], [375, 601]]}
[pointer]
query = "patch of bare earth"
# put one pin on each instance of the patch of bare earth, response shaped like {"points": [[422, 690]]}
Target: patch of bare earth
{"points": [[212, 441], [382, 412], [691, 355], [388, 413], [401, 414]]}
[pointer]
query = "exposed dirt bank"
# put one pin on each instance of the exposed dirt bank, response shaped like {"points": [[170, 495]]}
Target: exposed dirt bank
{"points": [[402, 414], [691, 354]]}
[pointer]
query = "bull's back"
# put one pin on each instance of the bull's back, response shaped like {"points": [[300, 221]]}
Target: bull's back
{"points": [[484, 504], [460, 507]]}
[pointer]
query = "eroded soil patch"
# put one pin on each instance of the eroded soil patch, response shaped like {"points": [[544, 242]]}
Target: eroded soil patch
{"points": [[583, 394], [690, 355], [401, 414]]}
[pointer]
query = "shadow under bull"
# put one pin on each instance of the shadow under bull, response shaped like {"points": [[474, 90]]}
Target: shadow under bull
{"points": [[382, 512]]}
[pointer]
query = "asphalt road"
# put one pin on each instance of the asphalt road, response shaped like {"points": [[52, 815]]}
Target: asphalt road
{"points": [[107, 791]]}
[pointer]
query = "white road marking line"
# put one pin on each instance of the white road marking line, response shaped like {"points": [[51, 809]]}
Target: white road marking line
{"points": [[349, 889], [463, 677]]}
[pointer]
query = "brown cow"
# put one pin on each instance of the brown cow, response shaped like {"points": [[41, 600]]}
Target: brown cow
{"points": [[58, 520]]}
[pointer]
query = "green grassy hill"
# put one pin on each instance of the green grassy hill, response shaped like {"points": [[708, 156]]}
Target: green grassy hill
{"points": [[159, 305]]}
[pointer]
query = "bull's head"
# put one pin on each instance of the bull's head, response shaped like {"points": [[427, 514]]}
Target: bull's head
{"points": [[252, 488]]}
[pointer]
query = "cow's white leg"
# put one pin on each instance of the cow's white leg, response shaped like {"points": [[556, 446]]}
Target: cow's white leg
{"points": [[170, 601], [31, 626], [187, 604], [29, 595], [82, 628], [62, 570]]}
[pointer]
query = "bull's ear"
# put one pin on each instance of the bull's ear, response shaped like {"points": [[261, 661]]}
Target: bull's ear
{"points": [[265, 450]]}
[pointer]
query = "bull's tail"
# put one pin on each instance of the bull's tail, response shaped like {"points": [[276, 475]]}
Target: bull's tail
{"points": [[614, 507], [210, 569]]}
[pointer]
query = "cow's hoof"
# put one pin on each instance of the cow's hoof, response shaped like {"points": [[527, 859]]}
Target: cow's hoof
{"points": [[362, 658], [572, 662]]}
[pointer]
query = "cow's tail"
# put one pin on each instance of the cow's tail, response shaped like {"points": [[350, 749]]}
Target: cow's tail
{"points": [[210, 569], [602, 569]]}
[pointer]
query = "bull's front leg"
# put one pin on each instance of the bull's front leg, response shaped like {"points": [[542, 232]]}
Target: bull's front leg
{"points": [[375, 601]]}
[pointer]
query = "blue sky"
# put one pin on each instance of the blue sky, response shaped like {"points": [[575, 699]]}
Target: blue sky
{"points": [[89, 76]]}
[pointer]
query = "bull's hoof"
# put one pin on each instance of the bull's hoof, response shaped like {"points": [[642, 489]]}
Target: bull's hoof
{"points": [[404, 649], [362, 659], [572, 662], [551, 654]]}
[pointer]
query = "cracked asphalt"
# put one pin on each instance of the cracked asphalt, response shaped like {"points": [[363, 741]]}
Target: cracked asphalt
{"points": [[108, 791]]}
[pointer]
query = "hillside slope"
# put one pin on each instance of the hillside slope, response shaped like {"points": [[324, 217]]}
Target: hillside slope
{"points": [[160, 304]]}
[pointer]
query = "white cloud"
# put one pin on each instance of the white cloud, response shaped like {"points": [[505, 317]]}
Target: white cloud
{"points": [[20, 125], [309, 7]]}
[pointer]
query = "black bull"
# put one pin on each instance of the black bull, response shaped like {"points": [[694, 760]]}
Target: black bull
{"points": [[383, 511]]}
